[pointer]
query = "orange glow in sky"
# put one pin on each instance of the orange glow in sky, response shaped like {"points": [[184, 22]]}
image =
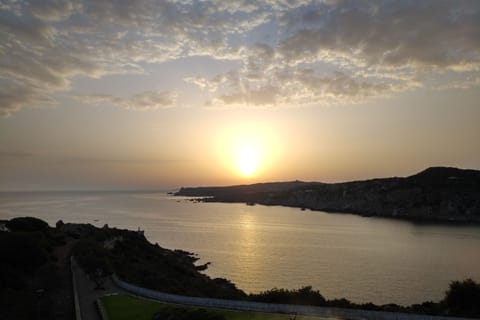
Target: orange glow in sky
{"points": [[247, 159], [206, 94], [247, 150]]}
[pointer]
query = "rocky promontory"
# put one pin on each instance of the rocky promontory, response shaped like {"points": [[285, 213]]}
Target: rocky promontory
{"points": [[435, 194]]}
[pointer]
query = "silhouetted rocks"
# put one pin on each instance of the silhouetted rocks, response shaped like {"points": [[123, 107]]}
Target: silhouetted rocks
{"points": [[35, 277], [134, 259], [435, 194], [34, 281]]}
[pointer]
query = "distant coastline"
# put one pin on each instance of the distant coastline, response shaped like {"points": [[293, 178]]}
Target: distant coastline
{"points": [[437, 194]]}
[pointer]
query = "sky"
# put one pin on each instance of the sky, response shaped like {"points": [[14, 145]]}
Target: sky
{"points": [[161, 94]]}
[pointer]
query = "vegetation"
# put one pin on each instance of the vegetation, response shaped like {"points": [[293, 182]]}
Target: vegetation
{"points": [[304, 295], [27, 224], [29, 275], [462, 300], [92, 256], [22, 250], [125, 307], [148, 265]]}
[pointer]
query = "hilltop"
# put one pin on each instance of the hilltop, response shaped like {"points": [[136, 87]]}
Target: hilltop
{"points": [[435, 194]]}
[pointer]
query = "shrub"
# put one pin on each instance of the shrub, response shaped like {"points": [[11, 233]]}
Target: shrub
{"points": [[463, 299], [92, 257], [27, 224], [21, 251], [304, 295]]}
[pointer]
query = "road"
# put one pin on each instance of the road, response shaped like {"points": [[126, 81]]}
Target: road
{"points": [[87, 294]]}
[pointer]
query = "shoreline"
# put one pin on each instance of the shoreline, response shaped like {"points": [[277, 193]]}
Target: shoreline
{"points": [[413, 220]]}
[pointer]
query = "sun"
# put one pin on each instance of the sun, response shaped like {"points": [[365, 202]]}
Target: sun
{"points": [[247, 160], [247, 150]]}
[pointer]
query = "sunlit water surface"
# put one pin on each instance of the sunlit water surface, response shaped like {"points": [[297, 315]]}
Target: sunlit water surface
{"points": [[258, 247]]}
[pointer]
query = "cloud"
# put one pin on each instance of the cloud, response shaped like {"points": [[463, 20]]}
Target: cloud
{"points": [[14, 97], [380, 47], [339, 85], [54, 10], [430, 34], [89, 161], [303, 88], [15, 154], [266, 96], [45, 44], [349, 51], [143, 101], [466, 83], [25, 28]]}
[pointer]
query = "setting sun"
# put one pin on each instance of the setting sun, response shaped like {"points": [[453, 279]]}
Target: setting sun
{"points": [[247, 160], [247, 150]]}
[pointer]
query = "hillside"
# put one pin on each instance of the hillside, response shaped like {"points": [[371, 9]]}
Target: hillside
{"points": [[437, 194], [35, 277]]}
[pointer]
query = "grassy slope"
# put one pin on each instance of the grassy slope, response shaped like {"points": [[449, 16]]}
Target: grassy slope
{"points": [[125, 307]]}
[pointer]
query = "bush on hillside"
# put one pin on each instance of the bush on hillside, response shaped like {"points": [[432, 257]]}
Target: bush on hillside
{"points": [[27, 224], [21, 250], [463, 299], [92, 257], [304, 295]]}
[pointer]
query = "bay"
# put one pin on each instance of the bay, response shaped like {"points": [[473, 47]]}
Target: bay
{"points": [[363, 259]]}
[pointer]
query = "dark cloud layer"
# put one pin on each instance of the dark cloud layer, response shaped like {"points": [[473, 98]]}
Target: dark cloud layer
{"points": [[335, 51]]}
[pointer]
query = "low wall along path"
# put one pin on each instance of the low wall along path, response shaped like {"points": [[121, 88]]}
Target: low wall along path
{"points": [[326, 312]]}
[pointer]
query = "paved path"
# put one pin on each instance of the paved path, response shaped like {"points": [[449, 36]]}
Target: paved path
{"points": [[87, 295]]}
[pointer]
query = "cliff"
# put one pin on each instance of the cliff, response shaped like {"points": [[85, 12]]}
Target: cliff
{"points": [[435, 194]]}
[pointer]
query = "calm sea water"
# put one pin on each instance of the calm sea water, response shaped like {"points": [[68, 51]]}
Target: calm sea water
{"points": [[259, 247]]}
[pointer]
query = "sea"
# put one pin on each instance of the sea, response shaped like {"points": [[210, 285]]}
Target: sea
{"points": [[363, 259]]}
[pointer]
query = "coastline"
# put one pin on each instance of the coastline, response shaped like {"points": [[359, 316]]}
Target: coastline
{"points": [[437, 194], [411, 219]]}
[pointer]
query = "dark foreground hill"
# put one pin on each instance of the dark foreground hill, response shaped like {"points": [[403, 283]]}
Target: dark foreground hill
{"points": [[35, 278], [435, 194]]}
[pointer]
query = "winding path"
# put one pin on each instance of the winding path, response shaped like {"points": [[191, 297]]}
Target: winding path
{"points": [[87, 294]]}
